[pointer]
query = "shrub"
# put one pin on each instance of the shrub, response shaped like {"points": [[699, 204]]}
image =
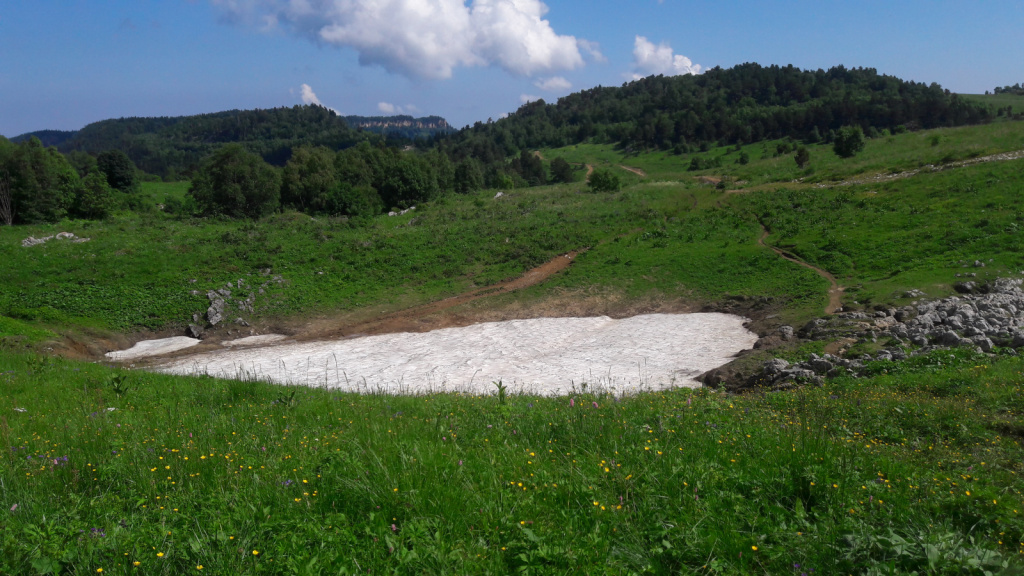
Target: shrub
{"points": [[236, 183], [848, 141], [604, 181]]}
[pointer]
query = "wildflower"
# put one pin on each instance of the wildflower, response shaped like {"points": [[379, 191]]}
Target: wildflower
{"points": [[255, 552], [159, 554], [754, 548], [99, 570], [572, 402], [199, 567], [394, 528], [13, 508], [136, 563]]}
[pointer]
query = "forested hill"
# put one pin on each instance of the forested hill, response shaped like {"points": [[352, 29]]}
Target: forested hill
{"points": [[174, 146], [401, 126], [747, 103]]}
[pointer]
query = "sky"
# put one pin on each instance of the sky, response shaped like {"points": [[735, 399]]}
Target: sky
{"points": [[67, 63]]}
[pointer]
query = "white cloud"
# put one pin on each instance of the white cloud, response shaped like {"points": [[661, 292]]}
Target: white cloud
{"points": [[308, 96], [392, 109], [527, 98], [593, 49], [423, 38], [554, 84], [649, 59]]}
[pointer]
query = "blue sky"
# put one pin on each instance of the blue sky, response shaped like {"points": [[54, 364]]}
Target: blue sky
{"points": [[66, 63]]}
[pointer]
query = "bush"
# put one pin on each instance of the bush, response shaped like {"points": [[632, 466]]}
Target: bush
{"points": [[236, 183], [604, 181], [848, 141]]}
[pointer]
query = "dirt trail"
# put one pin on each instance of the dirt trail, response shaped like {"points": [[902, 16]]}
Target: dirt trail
{"points": [[636, 171], [879, 178], [590, 170], [416, 319], [835, 292]]}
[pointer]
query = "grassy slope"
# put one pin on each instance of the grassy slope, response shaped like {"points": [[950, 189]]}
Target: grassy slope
{"points": [[917, 468]]}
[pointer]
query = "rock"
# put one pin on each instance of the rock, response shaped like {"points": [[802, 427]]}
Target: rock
{"points": [[215, 313], [984, 343], [241, 322], [820, 366], [775, 366], [1018, 339], [194, 331], [948, 338], [786, 332], [966, 287]]}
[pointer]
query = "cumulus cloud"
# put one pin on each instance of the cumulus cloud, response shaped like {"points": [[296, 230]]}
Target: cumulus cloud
{"points": [[554, 84], [424, 38], [527, 98], [649, 59], [308, 96]]}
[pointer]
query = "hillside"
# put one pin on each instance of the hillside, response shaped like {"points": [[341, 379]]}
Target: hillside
{"points": [[744, 104], [173, 147], [876, 427], [894, 466]]}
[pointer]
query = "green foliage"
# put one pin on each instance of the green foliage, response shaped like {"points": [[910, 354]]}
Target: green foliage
{"points": [[309, 183], [848, 141], [119, 170], [561, 171], [42, 183], [602, 180], [878, 476], [469, 176], [747, 103], [95, 198], [236, 183], [802, 157]]}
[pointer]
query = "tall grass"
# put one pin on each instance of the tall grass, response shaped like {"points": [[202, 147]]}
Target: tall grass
{"points": [[106, 469]]}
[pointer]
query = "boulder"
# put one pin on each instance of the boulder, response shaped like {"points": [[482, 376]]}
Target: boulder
{"points": [[775, 366]]}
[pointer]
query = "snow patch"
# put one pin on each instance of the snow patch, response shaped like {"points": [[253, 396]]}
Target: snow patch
{"points": [[154, 348], [547, 356]]}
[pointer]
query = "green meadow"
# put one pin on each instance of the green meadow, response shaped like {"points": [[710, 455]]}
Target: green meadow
{"points": [[914, 470]]}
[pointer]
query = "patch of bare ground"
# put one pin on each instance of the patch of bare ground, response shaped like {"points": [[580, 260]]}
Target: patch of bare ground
{"points": [[636, 171]]}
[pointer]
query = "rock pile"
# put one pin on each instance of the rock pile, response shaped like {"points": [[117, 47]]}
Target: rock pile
{"points": [[983, 317], [240, 296], [32, 241]]}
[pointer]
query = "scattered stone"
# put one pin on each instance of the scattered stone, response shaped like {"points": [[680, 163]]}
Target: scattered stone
{"points": [[194, 331], [31, 241]]}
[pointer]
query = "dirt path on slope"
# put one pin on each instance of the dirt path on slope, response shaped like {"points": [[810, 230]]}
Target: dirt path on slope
{"points": [[590, 170], [430, 316], [636, 171], [835, 292], [879, 178]]}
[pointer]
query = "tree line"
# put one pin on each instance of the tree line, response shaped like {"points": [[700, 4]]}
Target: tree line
{"points": [[745, 104], [249, 163]]}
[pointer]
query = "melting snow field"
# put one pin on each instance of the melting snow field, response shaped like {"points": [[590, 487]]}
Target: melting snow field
{"points": [[548, 356]]}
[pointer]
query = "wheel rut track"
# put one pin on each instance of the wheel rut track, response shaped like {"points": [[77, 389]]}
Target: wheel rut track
{"points": [[415, 319]]}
